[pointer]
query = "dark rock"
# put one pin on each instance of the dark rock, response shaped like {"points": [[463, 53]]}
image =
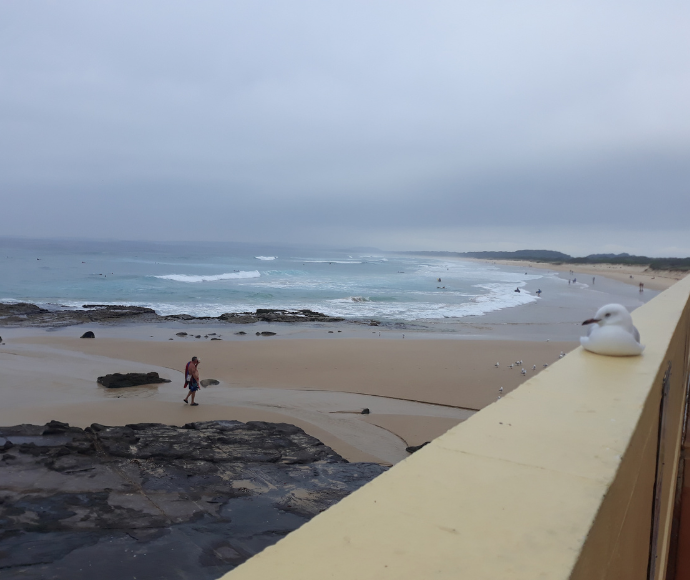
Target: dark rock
{"points": [[198, 336], [20, 309], [25, 314], [241, 332], [209, 382], [365, 411], [216, 338], [258, 334], [228, 489], [119, 380], [88, 334], [181, 334], [268, 333], [414, 448], [330, 332]]}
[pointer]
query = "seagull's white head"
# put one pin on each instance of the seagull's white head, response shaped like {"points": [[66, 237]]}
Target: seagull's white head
{"points": [[611, 315]]}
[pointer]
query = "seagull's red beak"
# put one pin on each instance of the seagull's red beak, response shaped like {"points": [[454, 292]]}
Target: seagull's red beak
{"points": [[591, 321]]}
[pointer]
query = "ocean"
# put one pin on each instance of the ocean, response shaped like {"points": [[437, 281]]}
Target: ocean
{"points": [[208, 279]]}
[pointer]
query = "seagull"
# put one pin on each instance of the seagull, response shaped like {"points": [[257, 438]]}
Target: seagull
{"points": [[534, 367], [612, 333], [496, 365], [511, 366], [546, 365], [523, 371], [500, 390]]}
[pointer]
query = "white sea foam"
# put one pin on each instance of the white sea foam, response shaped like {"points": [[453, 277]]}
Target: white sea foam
{"points": [[330, 262], [212, 278], [498, 297], [265, 257]]}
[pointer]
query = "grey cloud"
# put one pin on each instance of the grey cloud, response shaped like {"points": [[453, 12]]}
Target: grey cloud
{"points": [[377, 118]]}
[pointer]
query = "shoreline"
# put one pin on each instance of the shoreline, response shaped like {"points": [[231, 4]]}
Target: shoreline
{"points": [[416, 379], [654, 280]]}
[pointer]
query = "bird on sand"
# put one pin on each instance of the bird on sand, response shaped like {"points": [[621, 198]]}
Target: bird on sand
{"points": [[612, 333], [534, 367], [496, 365]]}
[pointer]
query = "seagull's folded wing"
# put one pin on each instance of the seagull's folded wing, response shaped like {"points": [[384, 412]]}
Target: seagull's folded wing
{"points": [[611, 341]]}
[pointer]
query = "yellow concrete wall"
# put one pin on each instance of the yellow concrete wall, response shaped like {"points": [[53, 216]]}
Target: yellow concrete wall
{"points": [[554, 481]]}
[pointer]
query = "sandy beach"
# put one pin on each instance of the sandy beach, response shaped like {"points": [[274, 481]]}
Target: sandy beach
{"points": [[656, 280], [415, 389]]}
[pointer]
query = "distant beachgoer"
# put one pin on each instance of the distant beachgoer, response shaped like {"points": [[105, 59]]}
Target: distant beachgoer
{"points": [[592, 279], [438, 280], [641, 287], [539, 292], [517, 290], [191, 374], [568, 281], [574, 280]]}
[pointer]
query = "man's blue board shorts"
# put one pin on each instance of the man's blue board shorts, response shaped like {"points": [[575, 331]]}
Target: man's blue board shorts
{"points": [[193, 385]]}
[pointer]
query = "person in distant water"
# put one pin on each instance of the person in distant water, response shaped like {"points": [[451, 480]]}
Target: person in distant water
{"points": [[191, 375], [539, 292], [517, 290], [641, 287], [574, 280], [592, 279]]}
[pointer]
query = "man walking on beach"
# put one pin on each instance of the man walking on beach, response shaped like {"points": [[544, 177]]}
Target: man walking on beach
{"points": [[191, 377]]}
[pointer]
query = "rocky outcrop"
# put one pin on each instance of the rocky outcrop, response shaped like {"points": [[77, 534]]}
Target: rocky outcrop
{"points": [[157, 501], [120, 380], [24, 314], [88, 334], [276, 315]]}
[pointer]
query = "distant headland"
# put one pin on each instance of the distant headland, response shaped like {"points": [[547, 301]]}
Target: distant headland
{"points": [[553, 257]]}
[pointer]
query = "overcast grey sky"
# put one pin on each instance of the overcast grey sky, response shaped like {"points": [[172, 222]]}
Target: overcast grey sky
{"points": [[442, 125]]}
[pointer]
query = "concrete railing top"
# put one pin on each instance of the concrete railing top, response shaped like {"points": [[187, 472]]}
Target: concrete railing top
{"points": [[555, 480]]}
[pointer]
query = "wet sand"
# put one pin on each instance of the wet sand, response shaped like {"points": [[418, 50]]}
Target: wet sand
{"points": [[320, 385]]}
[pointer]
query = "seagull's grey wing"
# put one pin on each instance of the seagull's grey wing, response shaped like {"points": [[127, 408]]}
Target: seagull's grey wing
{"points": [[636, 334]]}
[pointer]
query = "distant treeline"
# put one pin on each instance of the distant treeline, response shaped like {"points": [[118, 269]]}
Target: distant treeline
{"points": [[551, 257]]}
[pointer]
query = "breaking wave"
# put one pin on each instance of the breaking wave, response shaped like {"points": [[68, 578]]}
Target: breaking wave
{"points": [[193, 278]]}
